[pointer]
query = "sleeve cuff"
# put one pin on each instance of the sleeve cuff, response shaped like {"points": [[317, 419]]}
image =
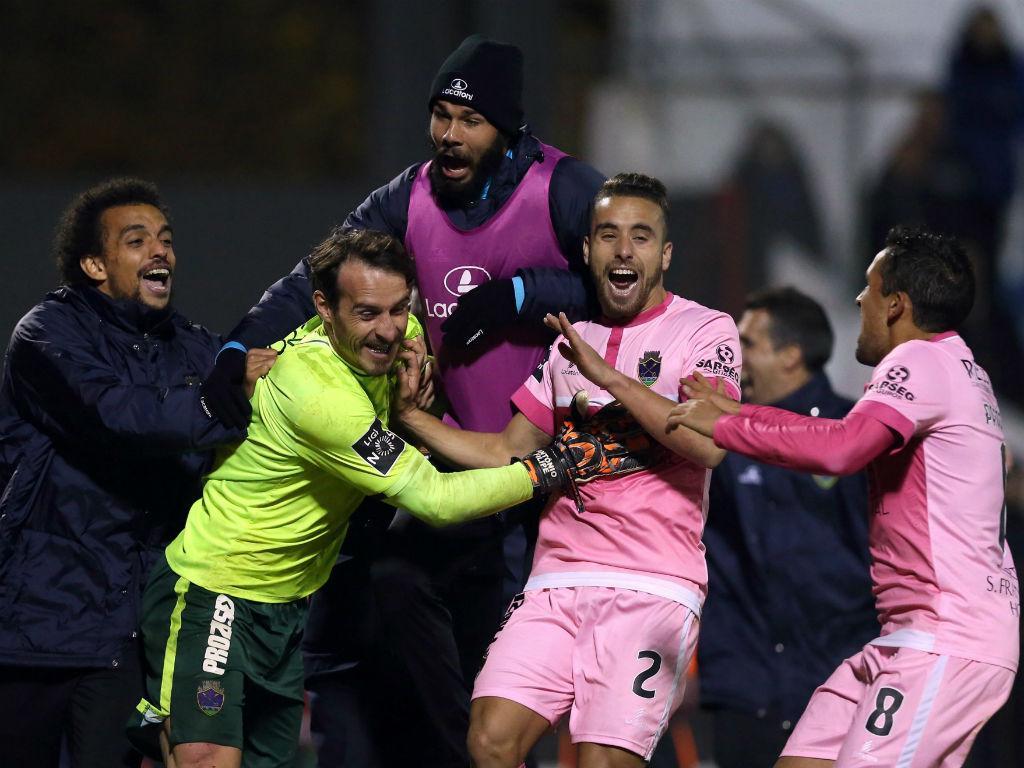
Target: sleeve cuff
{"points": [[534, 410], [888, 416], [520, 292], [232, 345]]}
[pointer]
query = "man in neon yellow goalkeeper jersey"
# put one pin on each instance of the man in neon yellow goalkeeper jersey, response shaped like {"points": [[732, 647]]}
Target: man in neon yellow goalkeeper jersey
{"points": [[223, 615]]}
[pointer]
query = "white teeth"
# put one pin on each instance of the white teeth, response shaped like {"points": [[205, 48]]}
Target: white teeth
{"points": [[158, 273], [623, 272]]}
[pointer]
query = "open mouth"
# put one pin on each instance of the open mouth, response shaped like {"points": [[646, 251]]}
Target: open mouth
{"points": [[157, 280], [453, 167], [623, 278], [379, 350]]}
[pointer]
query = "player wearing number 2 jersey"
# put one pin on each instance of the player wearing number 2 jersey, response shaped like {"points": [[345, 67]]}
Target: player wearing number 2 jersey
{"points": [[610, 613], [928, 428]]}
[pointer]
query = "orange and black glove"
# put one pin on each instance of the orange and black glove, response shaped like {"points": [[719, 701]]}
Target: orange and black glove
{"points": [[577, 456]]}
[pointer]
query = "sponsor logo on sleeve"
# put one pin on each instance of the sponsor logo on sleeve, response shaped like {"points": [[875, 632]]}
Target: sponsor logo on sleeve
{"points": [[649, 368], [379, 447], [721, 365], [897, 374], [892, 384]]}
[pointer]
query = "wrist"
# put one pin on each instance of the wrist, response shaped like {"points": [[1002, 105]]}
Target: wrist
{"points": [[616, 383]]}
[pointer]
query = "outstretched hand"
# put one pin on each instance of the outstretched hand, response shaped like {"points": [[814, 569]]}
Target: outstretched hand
{"points": [[706, 405], [697, 387], [577, 351]]}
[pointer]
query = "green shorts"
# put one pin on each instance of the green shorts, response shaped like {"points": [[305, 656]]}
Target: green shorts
{"points": [[226, 670]]}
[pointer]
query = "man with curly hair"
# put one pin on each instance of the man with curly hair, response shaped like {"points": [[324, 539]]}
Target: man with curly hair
{"points": [[103, 440]]}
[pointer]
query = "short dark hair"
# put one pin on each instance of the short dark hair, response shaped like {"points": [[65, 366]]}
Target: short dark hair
{"points": [[797, 319], [934, 271], [635, 185], [376, 249], [80, 232]]}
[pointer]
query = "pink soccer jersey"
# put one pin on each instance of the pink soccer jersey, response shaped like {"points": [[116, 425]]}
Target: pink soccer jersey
{"points": [[640, 531], [944, 578]]}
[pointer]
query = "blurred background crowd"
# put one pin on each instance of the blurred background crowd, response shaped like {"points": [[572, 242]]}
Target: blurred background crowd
{"points": [[792, 135]]}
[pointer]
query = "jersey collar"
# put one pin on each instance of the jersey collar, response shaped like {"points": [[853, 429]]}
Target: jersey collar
{"points": [[646, 316]]}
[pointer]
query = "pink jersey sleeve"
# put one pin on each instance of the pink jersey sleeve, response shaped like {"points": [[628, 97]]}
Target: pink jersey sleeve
{"points": [[715, 353], [804, 443], [535, 398], [908, 391]]}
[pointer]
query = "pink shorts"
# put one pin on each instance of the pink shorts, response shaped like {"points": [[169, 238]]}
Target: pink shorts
{"points": [[899, 707], [614, 658]]}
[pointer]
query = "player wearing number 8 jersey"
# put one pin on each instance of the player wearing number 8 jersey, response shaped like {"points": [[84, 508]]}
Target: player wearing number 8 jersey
{"points": [[928, 429]]}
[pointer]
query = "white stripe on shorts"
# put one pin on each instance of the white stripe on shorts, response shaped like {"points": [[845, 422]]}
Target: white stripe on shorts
{"points": [[669, 590], [681, 664], [924, 709]]}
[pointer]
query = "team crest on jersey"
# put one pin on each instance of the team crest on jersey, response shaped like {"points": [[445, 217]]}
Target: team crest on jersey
{"points": [[379, 447], [649, 368], [210, 697]]}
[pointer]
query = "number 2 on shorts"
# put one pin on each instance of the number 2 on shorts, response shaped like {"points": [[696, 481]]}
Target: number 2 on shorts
{"points": [[647, 674], [887, 702]]}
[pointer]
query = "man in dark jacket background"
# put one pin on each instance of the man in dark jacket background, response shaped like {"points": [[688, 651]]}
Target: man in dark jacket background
{"points": [[102, 446], [495, 222], [789, 589]]}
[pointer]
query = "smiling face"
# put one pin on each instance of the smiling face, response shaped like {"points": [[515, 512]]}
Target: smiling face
{"points": [[873, 342], [467, 150], [628, 253], [367, 326], [138, 260]]}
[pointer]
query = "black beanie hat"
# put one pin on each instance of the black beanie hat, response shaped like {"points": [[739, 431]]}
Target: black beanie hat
{"points": [[487, 76]]}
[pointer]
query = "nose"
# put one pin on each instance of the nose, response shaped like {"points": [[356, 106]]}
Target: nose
{"points": [[385, 328], [159, 247], [452, 135], [624, 247]]}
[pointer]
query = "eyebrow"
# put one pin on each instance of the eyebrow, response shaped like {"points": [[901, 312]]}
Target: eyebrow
{"points": [[377, 308], [134, 227], [612, 225]]}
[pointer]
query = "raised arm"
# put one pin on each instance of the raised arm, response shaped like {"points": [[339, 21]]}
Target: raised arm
{"points": [[790, 440], [650, 409]]}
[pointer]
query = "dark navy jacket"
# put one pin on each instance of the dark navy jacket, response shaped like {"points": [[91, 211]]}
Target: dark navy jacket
{"points": [[288, 303], [789, 589], [99, 429]]}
